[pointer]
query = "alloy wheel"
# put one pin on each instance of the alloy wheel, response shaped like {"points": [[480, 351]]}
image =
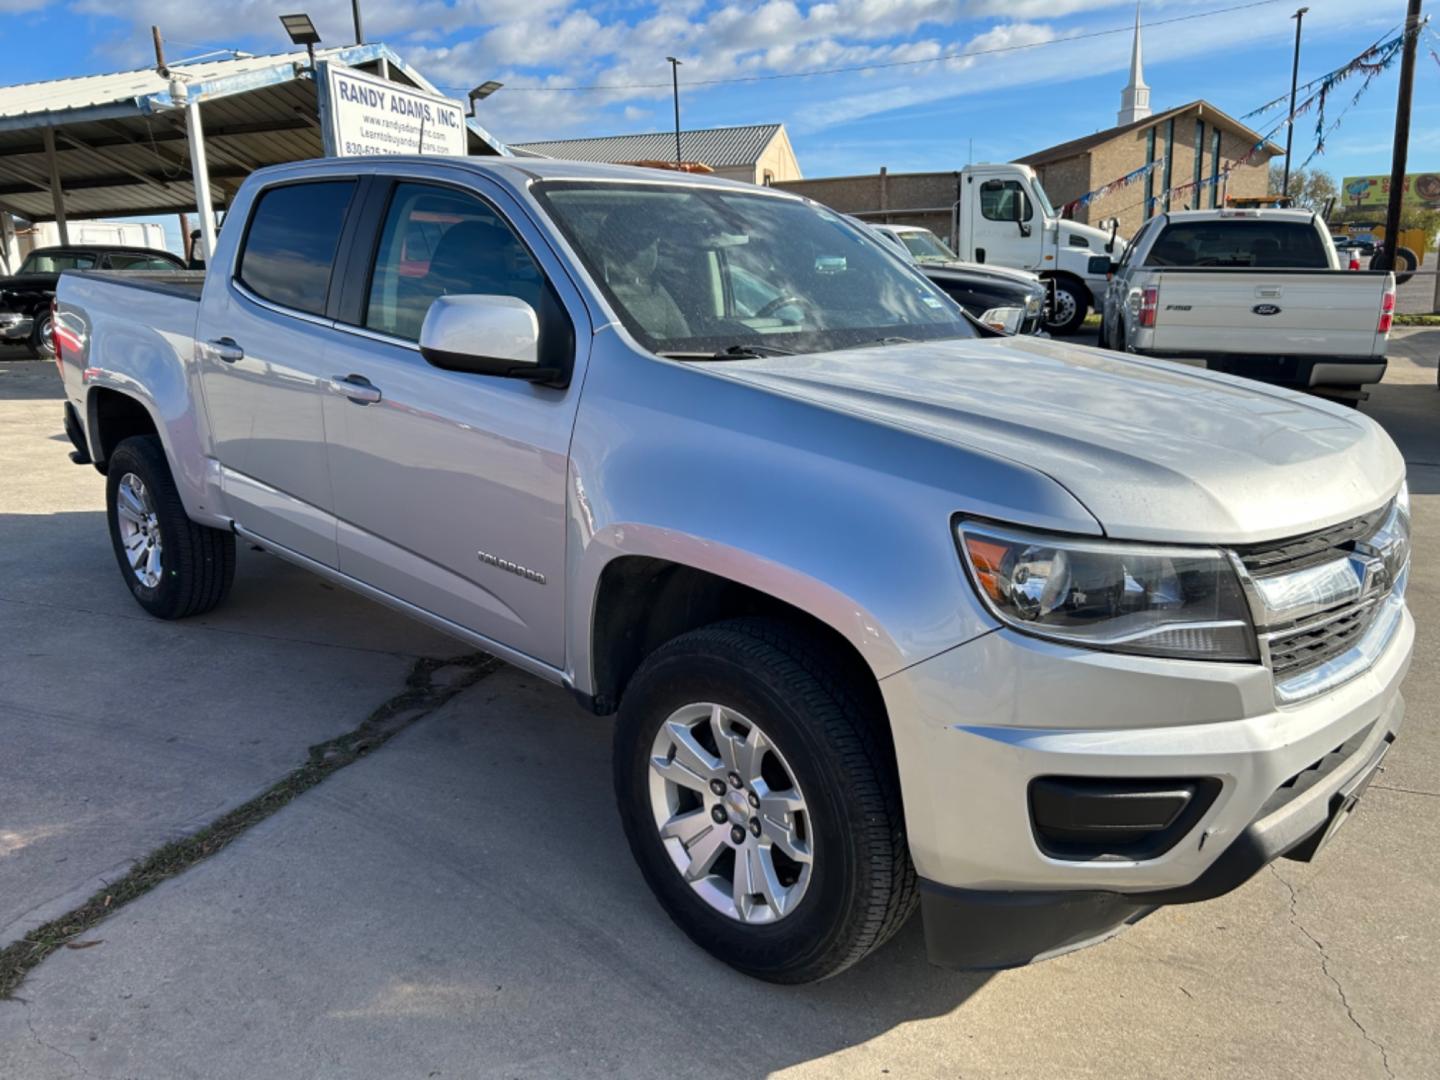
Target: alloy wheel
{"points": [[730, 813], [139, 530]]}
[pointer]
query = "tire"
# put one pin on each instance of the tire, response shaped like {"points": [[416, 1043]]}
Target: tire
{"points": [[822, 735], [1102, 339], [42, 344], [1405, 263], [185, 568], [1071, 307]]}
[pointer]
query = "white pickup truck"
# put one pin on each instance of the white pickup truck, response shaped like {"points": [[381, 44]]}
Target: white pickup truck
{"points": [[892, 614], [1259, 293]]}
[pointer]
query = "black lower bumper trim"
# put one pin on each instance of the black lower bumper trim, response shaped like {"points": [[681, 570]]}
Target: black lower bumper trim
{"points": [[986, 930]]}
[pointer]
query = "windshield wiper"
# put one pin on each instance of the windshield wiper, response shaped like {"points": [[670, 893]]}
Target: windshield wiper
{"points": [[732, 352]]}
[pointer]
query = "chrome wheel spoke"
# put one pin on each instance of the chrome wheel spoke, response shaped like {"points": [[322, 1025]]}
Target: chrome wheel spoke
{"points": [[138, 529], [707, 803]]}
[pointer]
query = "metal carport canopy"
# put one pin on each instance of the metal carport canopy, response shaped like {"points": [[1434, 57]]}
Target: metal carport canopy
{"points": [[118, 144]]}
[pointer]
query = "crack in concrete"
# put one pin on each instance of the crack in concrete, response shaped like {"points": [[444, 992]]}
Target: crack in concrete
{"points": [[422, 695], [1406, 790], [1325, 969], [55, 1049]]}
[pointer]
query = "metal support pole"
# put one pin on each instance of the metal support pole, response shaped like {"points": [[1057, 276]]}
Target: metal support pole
{"points": [[1402, 136], [675, 83], [57, 196], [200, 179], [359, 26], [1299, 18]]}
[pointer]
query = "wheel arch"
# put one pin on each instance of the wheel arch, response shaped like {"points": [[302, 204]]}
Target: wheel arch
{"points": [[643, 601], [111, 417], [1070, 278]]}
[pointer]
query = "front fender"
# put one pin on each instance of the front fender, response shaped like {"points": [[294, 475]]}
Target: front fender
{"points": [[841, 517]]}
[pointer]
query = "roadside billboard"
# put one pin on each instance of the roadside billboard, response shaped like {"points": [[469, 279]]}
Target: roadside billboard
{"points": [[363, 115], [1422, 191]]}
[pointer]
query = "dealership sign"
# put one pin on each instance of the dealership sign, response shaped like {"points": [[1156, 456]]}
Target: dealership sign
{"points": [[1422, 191], [363, 115]]}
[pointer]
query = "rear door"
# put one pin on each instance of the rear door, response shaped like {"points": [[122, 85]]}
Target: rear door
{"points": [[260, 347], [450, 487]]}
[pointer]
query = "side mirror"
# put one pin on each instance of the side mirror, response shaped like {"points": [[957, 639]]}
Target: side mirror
{"points": [[485, 335], [1024, 211], [1114, 228]]}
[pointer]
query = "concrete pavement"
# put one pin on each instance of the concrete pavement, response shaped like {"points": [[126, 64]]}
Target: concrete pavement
{"points": [[463, 903]]}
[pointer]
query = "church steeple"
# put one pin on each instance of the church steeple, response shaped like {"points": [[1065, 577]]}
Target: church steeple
{"points": [[1135, 98]]}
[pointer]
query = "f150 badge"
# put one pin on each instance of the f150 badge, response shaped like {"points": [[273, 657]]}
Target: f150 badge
{"points": [[1266, 309]]}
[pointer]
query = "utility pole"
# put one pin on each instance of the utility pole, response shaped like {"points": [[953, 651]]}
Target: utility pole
{"points": [[359, 26], [1299, 18], [675, 82], [1402, 135]]}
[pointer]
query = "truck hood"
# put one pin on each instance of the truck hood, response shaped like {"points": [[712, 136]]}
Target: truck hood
{"points": [[1155, 451]]}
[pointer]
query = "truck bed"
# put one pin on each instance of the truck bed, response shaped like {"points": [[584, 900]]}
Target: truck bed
{"points": [[186, 284]]}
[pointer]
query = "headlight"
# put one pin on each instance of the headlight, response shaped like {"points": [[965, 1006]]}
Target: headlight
{"points": [[1033, 303], [1005, 319], [1402, 499], [1154, 601]]}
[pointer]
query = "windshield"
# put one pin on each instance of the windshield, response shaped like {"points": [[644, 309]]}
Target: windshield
{"points": [[699, 271], [1042, 200], [1240, 242], [927, 247], [52, 262]]}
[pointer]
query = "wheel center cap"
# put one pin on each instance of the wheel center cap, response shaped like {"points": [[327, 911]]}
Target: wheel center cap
{"points": [[737, 806]]}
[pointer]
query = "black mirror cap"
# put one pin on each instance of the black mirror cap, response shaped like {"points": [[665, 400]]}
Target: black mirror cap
{"points": [[495, 366]]}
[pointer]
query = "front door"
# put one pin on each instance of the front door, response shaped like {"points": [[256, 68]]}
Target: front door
{"points": [[260, 347], [1005, 225], [450, 486]]}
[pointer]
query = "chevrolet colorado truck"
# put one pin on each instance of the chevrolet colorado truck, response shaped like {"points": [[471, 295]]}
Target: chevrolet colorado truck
{"points": [[1259, 293], [1030, 636]]}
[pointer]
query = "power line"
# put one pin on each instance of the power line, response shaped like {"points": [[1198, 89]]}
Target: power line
{"points": [[602, 87]]}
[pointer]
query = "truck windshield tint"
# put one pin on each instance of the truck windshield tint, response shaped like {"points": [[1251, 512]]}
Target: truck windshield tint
{"points": [[700, 270], [926, 246], [1240, 242]]}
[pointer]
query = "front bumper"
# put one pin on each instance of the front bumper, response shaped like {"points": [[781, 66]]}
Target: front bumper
{"points": [[14, 326], [974, 726]]}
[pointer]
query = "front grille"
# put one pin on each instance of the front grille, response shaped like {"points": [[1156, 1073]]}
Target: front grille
{"points": [[1298, 637], [1315, 641], [1298, 552]]}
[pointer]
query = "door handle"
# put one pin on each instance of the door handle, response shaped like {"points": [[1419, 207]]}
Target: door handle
{"points": [[225, 349], [357, 388]]}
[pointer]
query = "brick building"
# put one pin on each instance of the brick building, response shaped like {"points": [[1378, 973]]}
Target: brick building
{"points": [[1196, 141]]}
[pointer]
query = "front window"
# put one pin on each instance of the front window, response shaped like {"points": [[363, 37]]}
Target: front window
{"points": [[53, 262], [696, 271], [927, 247]]}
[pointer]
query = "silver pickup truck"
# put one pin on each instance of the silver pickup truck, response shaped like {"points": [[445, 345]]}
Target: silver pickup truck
{"points": [[1259, 293], [1031, 636]]}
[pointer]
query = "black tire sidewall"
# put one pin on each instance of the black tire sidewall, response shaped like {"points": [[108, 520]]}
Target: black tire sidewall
{"points": [[821, 920], [139, 456], [42, 344]]}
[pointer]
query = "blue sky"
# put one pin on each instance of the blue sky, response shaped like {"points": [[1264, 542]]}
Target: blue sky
{"points": [[907, 118]]}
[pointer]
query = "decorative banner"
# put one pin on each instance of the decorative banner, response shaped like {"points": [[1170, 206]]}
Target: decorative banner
{"points": [[1114, 185]]}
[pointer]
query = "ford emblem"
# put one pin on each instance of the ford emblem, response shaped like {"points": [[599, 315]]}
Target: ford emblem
{"points": [[1266, 309]]}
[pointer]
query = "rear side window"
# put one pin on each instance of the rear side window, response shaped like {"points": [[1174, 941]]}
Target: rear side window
{"points": [[290, 246], [1280, 244]]}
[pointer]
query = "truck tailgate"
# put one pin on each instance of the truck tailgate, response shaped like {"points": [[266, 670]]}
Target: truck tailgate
{"points": [[1269, 312]]}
